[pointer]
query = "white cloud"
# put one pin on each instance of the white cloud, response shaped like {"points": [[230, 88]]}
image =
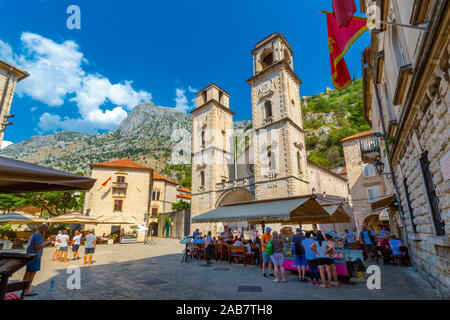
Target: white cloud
{"points": [[57, 75], [181, 101], [5, 144], [193, 90]]}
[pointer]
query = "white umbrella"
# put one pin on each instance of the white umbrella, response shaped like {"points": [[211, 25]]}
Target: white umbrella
{"points": [[19, 218], [118, 219]]}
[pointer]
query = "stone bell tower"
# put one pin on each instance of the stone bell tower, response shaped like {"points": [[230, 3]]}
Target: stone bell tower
{"points": [[211, 147], [279, 146]]}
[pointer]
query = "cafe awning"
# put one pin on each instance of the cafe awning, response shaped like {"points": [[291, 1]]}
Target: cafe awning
{"points": [[73, 219], [268, 211], [336, 214], [19, 218], [20, 177], [383, 203], [118, 220]]}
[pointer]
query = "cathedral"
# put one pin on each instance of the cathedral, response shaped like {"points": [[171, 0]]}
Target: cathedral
{"points": [[264, 161]]}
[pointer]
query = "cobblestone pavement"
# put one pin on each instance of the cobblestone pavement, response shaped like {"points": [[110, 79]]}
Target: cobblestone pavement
{"points": [[137, 271]]}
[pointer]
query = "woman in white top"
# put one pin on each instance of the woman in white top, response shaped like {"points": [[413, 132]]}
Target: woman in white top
{"points": [[76, 241]]}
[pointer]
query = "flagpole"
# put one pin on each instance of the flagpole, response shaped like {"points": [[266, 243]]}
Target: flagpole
{"points": [[387, 22]]}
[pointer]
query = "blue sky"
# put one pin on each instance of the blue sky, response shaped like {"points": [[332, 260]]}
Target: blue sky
{"points": [[130, 51]]}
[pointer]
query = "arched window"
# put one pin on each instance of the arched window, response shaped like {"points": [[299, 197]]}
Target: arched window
{"points": [[397, 47], [267, 60], [202, 178], [268, 108]]}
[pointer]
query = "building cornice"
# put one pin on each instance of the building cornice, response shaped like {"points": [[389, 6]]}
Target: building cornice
{"points": [[213, 102], [21, 74], [282, 63]]}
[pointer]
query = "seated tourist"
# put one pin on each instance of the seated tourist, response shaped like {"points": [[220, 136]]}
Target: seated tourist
{"points": [[238, 242], [395, 244], [248, 245]]}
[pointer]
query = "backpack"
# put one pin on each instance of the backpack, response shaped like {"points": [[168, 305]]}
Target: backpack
{"points": [[299, 250], [269, 248]]}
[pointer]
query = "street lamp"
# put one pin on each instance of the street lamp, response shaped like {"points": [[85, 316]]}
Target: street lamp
{"points": [[379, 166]]}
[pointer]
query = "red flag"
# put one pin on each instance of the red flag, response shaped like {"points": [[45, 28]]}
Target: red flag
{"points": [[339, 41], [343, 11], [106, 182]]}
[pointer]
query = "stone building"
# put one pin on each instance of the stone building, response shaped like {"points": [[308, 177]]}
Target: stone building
{"points": [[273, 163], [9, 77], [406, 100], [127, 188], [365, 184]]}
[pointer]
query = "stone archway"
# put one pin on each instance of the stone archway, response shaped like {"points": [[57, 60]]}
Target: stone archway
{"points": [[372, 220], [153, 229], [234, 195]]}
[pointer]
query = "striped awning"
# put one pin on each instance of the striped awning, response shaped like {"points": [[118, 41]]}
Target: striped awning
{"points": [[268, 211]]}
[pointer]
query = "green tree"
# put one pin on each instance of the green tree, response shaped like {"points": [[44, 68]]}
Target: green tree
{"points": [[181, 205], [9, 202]]}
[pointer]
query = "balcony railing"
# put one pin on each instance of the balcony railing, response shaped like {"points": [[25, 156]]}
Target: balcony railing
{"points": [[120, 185], [370, 149], [235, 183]]}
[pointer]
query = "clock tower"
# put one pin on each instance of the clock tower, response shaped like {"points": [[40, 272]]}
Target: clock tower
{"points": [[279, 143]]}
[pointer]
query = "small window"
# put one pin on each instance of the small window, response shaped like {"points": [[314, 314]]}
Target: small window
{"points": [[268, 108], [156, 195], [205, 96], [202, 178], [154, 212], [220, 96], [369, 170], [118, 205], [299, 162], [373, 194], [203, 139], [120, 179]]}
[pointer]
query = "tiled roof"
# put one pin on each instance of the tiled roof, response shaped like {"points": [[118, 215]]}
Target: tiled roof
{"points": [[157, 176], [124, 163], [343, 171], [186, 196], [183, 189], [359, 135]]}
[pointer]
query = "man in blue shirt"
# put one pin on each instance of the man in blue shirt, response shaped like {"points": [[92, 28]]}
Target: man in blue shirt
{"points": [[36, 246], [368, 239]]}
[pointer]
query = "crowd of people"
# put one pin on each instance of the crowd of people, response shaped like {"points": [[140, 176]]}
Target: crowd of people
{"points": [[62, 243], [313, 250]]}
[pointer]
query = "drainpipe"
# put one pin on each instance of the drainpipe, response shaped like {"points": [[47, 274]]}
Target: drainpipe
{"points": [[147, 221]]}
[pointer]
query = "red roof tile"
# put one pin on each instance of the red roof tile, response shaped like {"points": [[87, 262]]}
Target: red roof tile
{"points": [[343, 171], [157, 176], [124, 163], [359, 135], [186, 196], [183, 189]]}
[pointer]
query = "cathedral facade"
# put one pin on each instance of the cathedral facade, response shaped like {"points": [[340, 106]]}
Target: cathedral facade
{"points": [[266, 161]]}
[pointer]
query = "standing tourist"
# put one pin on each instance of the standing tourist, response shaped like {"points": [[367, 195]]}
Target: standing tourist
{"points": [[320, 248], [64, 248], [209, 247], [333, 259], [57, 246], [265, 238], [36, 246], [368, 240], [278, 257], [349, 237], [76, 241], [89, 249], [311, 258], [299, 254]]}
